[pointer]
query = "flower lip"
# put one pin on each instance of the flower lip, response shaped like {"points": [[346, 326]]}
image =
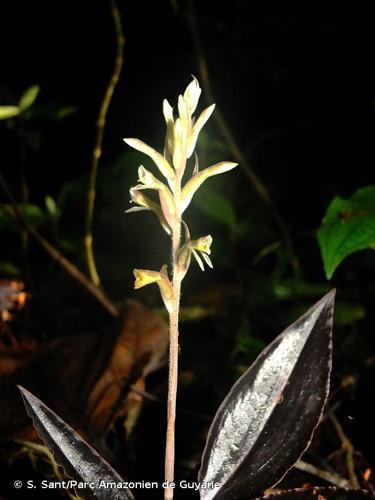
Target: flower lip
{"points": [[203, 244]]}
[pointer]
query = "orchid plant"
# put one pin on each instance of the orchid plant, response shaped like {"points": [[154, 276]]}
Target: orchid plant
{"points": [[174, 197]]}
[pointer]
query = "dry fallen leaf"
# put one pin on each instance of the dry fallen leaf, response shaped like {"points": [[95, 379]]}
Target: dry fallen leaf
{"points": [[140, 349], [85, 379]]}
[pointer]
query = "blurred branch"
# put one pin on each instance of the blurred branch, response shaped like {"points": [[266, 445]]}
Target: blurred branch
{"points": [[236, 151], [97, 151], [346, 446], [335, 479], [68, 266]]}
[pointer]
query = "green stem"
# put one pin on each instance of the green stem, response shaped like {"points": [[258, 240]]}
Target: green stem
{"points": [[97, 151]]}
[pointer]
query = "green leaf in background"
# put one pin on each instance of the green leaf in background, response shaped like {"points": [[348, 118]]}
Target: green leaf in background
{"points": [[51, 207], [288, 289], [8, 268], [217, 206], [28, 97], [348, 226], [8, 112], [50, 111], [347, 313], [32, 213], [247, 346]]}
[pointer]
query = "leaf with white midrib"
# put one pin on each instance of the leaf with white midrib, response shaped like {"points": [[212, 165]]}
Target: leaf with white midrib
{"points": [[79, 460], [267, 419]]}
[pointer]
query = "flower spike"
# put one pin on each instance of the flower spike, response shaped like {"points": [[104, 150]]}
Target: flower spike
{"points": [[180, 142]]}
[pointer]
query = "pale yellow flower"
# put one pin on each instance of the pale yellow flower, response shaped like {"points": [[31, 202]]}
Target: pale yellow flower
{"points": [[145, 277], [202, 248], [198, 248], [192, 94], [145, 203]]}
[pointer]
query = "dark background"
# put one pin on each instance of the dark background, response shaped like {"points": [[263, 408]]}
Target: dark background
{"points": [[295, 83]]}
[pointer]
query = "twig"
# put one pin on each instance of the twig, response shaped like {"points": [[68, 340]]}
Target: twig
{"points": [[236, 151], [347, 446], [335, 479], [68, 266], [97, 151]]}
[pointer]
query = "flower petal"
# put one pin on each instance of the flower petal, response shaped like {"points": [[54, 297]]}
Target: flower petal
{"points": [[137, 196], [168, 116], [136, 209], [198, 259], [179, 146], [183, 259], [158, 158], [168, 206], [195, 182], [144, 277], [192, 94], [167, 111], [167, 202], [203, 244], [148, 179], [207, 259], [164, 270], [184, 116], [203, 117]]}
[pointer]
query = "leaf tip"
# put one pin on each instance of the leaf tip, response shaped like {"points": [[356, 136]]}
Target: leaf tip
{"points": [[24, 392], [329, 298], [29, 400]]}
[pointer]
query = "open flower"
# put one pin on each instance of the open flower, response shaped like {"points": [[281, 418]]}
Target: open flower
{"points": [[198, 248], [145, 277], [202, 248], [168, 206], [145, 203]]}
